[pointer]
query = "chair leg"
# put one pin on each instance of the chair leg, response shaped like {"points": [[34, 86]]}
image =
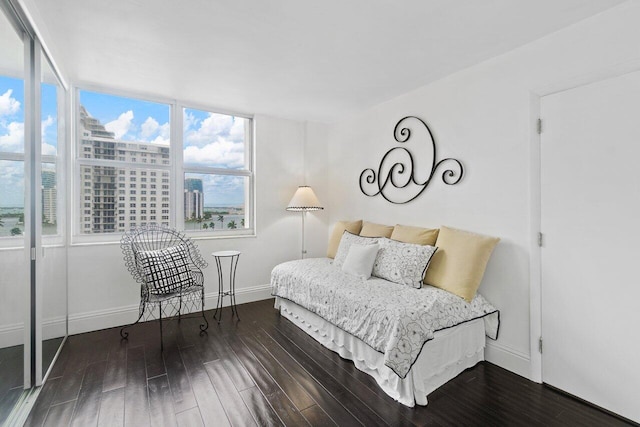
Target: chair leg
{"points": [[205, 326], [161, 341], [124, 334], [180, 310]]}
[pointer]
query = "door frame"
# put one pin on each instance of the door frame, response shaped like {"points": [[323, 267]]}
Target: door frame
{"points": [[535, 196]]}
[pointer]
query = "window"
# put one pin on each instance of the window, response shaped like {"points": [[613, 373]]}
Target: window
{"points": [[217, 171], [213, 191], [112, 126]]}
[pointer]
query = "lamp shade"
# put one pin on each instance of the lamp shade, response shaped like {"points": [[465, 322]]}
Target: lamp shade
{"points": [[304, 200]]}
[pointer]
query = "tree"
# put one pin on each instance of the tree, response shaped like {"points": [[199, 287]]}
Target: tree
{"points": [[212, 225], [242, 222], [207, 215], [1, 222], [221, 219], [199, 221], [21, 218], [205, 226], [232, 225], [15, 231]]}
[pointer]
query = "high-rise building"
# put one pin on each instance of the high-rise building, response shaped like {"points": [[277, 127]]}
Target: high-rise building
{"points": [[49, 197], [193, 184], [117, 198], [193, 198]]}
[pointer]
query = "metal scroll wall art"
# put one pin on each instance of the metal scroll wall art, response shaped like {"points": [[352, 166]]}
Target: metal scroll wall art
{"points": [[401, 174]]}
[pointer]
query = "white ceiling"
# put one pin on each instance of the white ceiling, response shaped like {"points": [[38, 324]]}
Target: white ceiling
{"points": [[308, 60]]}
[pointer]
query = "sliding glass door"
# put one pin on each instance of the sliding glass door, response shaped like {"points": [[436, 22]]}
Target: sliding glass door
{"points": [[33, 261], [13, 263]]}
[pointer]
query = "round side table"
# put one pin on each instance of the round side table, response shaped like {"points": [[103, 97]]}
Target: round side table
{"points": [[233, 256]]}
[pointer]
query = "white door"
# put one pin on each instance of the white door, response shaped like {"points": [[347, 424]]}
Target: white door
{"points": [[590, 173]]}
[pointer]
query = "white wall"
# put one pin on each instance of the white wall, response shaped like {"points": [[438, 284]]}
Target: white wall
{"points": [[484, 116], [103, 294]]}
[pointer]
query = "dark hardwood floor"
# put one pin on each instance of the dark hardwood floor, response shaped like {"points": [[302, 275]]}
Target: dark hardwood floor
{"points": [[263, 370]]}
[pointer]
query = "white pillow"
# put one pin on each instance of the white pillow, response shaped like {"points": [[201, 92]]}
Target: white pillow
{"points": [[346, 241], [403, 263], [360, 259]]}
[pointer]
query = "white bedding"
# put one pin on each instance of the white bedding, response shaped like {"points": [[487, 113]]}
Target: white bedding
{"points": [[449, 353], [395, 320]]}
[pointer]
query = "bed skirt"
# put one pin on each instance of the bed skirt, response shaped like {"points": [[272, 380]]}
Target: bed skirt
{"points": [[442, 359]]}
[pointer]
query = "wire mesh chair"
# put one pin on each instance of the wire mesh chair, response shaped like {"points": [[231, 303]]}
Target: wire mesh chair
{"points": [[171, 286]]}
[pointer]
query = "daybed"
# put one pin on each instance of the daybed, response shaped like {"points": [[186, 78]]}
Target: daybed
{"points": [[411, 340]]}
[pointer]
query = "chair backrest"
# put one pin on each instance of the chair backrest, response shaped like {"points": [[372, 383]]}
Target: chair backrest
{"points": [[152, 237]]}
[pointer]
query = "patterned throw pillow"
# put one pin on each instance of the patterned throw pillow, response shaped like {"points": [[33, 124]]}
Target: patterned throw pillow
{"points": [[403, 263], [166, 270], [346, 241]]}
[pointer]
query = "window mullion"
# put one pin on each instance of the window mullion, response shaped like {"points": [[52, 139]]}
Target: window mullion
{"points": [[177, 171]]}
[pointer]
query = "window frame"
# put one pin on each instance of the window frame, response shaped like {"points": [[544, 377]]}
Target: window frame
{"points": [[58, 160], [176, 169]]}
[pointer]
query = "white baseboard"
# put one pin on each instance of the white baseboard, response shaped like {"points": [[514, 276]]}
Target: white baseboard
{"points": [[508, 358], [102, 319], [13, 334]]}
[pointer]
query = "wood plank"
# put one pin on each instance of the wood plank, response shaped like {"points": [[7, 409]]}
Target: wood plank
{"points": [[115, 375], [208, 401], [181, 391], [161, 409], [287, 383], [136, 406], [324, 399], [232, 403], [88, 404], [190, 418], [236, 370], [363, 413], [112, 408], [315, 416], [259, 407], [69, 388], [59, 415], [279, 401]]}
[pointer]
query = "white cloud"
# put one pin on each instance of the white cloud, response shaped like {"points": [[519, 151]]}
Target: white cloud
{"points": [[189, 121], [13, 141], [211, 128], [236, 133], [149, 128], [221, 153], [8, 104], [46, 123], [152, 131], [48, 149], [121, 125]]}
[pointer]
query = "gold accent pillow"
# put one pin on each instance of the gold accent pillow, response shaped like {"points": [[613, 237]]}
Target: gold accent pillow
{"points": [[352, 227], [459, 263], [416, 235], [370, 229]]}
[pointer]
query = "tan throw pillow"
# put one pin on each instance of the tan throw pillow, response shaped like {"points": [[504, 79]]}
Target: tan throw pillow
{"points": [[459, 263], [352, 227], [370, 229], [416, 235]]}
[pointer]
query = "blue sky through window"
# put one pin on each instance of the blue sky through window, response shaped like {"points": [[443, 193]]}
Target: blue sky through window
{"points": [[129, 119]]}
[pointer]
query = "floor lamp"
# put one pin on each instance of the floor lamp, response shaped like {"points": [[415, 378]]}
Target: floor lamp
{"points": [[304, 200]]}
